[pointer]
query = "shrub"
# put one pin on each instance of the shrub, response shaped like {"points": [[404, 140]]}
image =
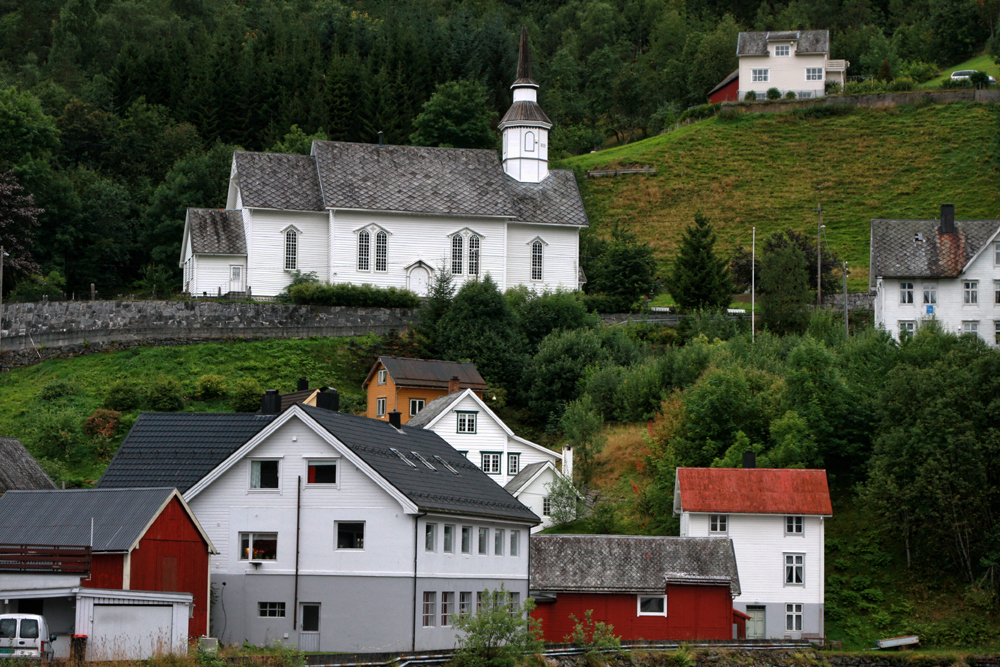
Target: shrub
{"points": [[773, 94], [103, 423], [980, 79], [495, 637], [919, 71], [123, 395], [900, 84], [35, 287], [824, 110], [729, 114], [751, 96], [832, 88], [357, 296], [57, 389], [790, 95], [599, 636], [57, 435], [210, 386], [165, 395], [246, 394], [699, 112]]}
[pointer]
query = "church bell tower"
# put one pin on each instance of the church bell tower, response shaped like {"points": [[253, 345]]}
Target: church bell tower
{"points": [[525, 126]]}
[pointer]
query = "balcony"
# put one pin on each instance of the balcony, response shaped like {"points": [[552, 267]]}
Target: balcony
{"points": [[837, 65]]}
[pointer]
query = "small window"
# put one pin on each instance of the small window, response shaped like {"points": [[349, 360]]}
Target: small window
{"points": [[29, 629], [364, 250], [322, 472], [291, 250], [906, 292], [465, 602], [484, 541], [380, 407], [793, 617], [473, 255], [416, 405], [381, 254], [430, 608], [795, 569], [457, 246], [652, 605], [996, 253], [930, 294], [466, 539], [383, 375], [430, 537], [479, 601], [236, 274], [350, 534], [258, 546], [536, 260], [467, 423], [906, 329], [814, 74], [793, 525], [513, 463], [759, 75], [546, 506], [996, 292], [447, 608], [491, 463], [515, 542], [780, 50], [718, 523], [996, 331], [263, 474], [970, 328], [498, 537], [529, 142], [271, 609], [514, 604], [449, 539], [970, 290]]}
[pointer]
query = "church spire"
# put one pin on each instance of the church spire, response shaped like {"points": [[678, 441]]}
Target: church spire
{"points": [[524, 60], [525, 126]]}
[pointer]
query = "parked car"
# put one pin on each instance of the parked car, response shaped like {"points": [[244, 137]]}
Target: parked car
{"points": [[25, 637], [964, 74]]}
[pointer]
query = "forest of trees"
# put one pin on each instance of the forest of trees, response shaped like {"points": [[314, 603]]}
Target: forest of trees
{"points": [[116, 115]]}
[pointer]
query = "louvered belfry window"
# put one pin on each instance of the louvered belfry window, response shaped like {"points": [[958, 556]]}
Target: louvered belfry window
{"points": [[291, 250], [456, 254], [364, 241], [381, 241], [536, 260], [473, 255]]}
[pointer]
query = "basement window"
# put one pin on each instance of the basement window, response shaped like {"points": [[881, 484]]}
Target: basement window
{"points": [[258, 546], [350, 535], [271, 609], [652, 605], [322, 472], [906, 329], [793, 617]]}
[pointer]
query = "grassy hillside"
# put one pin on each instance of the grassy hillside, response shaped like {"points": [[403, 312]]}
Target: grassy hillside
{"points": [[771, 170], [983, 63]]}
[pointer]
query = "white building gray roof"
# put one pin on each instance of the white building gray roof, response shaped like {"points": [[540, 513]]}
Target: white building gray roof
{"points": [[918, 249], [807, 41], [216, 232]]}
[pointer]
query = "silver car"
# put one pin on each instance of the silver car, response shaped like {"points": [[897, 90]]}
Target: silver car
{"points": [[25, 637], [964, 74]]}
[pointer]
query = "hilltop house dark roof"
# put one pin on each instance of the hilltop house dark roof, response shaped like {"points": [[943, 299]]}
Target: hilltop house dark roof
{"points": [[63, 517], [629, 563], [20, 470], [429, 373], [216, 232], [807, 41], [918, 249]]}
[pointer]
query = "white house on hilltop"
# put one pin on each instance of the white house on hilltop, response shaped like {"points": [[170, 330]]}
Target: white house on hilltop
{"points": [[392, 215], [793, 60]]}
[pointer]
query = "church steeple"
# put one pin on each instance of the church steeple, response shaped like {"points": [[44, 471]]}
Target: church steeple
{"points": [[525, 126]]}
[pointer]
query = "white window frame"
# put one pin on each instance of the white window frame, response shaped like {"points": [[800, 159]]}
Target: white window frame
{"points": [[465, 421], [380, 406], [795, 563], [383, 375], [795, 525], [429, 609], [793, 617], [782, 51], [250, 481], [906, 293], [381, 252], [246, 558], [513, 463], [498, 541], [718, 524], [430, 537], [515, 544], [291, 238], [814, 74], [457, 254], [447, 608], [970, 292], [638, 605], [529, 142], [448, 539], [996, 254], [483, 542], [930, 294], [336, 536], [490, 462], [419, 403], [514, 603], [475, 246], [546, 506], [760, 75], [465, 602], [364, 250], [537, 260], [907, 328], [466, 539], [970, 327], [323, 462], [270, 610]]}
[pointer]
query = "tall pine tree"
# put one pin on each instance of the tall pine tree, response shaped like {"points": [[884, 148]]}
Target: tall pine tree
{"points": [[698, 278]]}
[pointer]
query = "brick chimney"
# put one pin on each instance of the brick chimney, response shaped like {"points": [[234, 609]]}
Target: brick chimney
{"points": [[948, 218], [453, 384]]}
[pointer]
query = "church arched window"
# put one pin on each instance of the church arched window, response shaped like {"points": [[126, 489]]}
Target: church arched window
{"points": [[536, 260], [364, 245], [291, 250], [457, 246], [529, 142], [381, 251], [473, 255]]}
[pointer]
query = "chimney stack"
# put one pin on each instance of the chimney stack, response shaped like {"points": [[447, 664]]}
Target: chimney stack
{"points": [[328, 398], [394, 418], [380, 137], [270, 403], [303, 384], [948, 218], [749, 460], [453, 384]]}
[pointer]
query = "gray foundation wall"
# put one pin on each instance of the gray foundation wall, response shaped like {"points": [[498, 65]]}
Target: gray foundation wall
{"points": [[774, 620]]}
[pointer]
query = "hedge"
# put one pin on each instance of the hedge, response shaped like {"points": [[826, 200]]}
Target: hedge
{"points": [[346, 294]]}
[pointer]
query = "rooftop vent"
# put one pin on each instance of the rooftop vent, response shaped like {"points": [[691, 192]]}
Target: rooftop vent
{"points": [[749, 460]]}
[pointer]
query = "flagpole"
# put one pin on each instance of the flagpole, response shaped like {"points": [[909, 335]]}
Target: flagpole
{"points": [[753, 283]]}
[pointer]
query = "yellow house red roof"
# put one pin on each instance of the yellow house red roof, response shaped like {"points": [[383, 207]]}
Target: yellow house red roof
{"points": [[753, 491]]}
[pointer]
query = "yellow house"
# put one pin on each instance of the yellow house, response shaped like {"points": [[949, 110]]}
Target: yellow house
{"points": [[407, 385]]}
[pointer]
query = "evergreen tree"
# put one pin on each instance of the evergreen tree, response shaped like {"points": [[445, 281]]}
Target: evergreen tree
{"points": [[439, 297], [456, 116], [699, 279], [784, 291], [18, 220]]}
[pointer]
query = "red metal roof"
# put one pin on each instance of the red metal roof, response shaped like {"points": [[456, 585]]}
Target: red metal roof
{"points": [[754, 491]]}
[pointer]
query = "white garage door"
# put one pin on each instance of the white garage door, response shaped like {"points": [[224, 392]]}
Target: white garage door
{"points": [[131, 632]]}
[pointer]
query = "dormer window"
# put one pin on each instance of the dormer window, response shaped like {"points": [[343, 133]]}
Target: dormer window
{"points": [[782, 50], [291, 250]]}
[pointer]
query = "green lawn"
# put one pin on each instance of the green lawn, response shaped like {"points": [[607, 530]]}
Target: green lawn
{"points": [[983, 63], [769, 171]]}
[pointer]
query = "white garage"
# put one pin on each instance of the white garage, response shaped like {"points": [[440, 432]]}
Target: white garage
{"points": [[131, 632]]}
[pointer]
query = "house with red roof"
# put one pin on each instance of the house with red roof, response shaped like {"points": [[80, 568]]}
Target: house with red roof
{"points": [[775, 519]]}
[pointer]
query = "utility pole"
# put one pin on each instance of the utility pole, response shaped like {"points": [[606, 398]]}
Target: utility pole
{"points": [[847, 328], [819, 257], [2, 255], [753, 284]]}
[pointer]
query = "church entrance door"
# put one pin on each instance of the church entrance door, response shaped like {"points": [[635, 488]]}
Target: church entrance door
{"points": [[419, 279]]}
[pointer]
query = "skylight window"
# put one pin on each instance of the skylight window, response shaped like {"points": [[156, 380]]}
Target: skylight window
{"points": [[424, 461], [400, 455], [445, 463]]}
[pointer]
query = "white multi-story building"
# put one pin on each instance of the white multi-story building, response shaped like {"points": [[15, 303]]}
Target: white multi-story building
{"points": [[393, 215], [775, 519], [945, 270], [792, 61]]}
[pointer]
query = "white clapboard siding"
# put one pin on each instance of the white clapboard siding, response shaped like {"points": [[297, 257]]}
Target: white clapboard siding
{"points": [[559, 256], [266, 245], [214, 272], [534, 496]]}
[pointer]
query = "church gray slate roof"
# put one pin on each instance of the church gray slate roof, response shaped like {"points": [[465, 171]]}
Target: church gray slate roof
{"points": [[216, 232], [629, 563], [807, 41], [917, 249], [278, 181]]}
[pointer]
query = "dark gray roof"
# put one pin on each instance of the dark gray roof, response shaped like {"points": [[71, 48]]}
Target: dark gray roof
{"points": [[432, 410], [917, 249], [279, 181], [19, 469], [470, 491], [555, 200], [430, 373], [523, 477], [63, 517], [524, 111], [807, 41], [288, 400], [216, 232], [725, 82], [524, 61], [178, 449], [629, 563], [415, 179]]}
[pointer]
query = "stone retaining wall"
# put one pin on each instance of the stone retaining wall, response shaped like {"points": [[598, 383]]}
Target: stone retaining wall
{"points": [[855, 301]]}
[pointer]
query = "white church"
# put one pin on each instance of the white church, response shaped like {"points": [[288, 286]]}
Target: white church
{"points": [[392, 215]]}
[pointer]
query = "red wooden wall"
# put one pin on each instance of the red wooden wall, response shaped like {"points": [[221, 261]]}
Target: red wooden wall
{"points": [[693, 612], [173, 556], [105, 571], [728, 93]]}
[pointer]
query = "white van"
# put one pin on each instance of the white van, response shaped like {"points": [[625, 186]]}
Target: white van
{"points": [[25, 637]]}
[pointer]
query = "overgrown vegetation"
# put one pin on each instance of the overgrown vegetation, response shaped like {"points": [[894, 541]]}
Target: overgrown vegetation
{"points": [[498, 634], [346, 294]]}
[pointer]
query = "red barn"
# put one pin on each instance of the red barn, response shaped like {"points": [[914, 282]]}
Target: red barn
{"points": [[646, 587], [728, 89], [142, 539]]}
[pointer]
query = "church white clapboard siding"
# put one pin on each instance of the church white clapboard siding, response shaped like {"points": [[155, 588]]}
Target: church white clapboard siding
{"points": [[393, 215]]}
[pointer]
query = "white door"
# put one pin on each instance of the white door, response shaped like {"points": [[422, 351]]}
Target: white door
{"points": [[309, 635], [131, 632], [419, 279], [755, 624], [235, 278]]}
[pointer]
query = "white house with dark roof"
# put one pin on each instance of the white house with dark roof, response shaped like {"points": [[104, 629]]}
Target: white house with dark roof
{"points": [[335, 532], [392, 215], [791, 60], [945, 270]]}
